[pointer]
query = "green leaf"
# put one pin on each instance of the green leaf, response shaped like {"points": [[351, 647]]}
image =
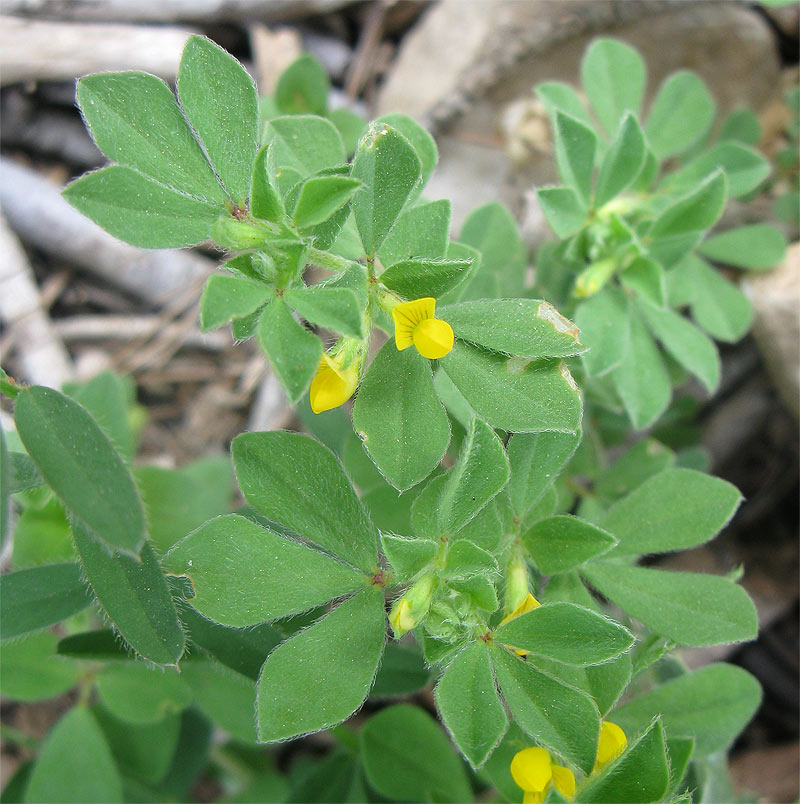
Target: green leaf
{"points": [[681, 114], [350, 126], [694, 212], [745, 168], [645, 277], [135, 121], [135, 597], [303, 87], [741, 125], [466, 560], [399, 418], [241, 649], [416, 279], [140, 211], [31, 670], [5, 490], [75, 764], [35, 598], [470, 707], [422, 142], [265, 202], [143, 751], [639, 776], [228, 297], [688, 345], [140, 694], [402, 671], [244, 574], [536, 461], [390, 170], [755, 247], [407, 757], [98, 645], [645, 459], [712, 705], [333, 308], [515, 395], [604, 321], [81, 466], [521, 327], [561, 543], [408, 556], [570, 729], [575, 145], [481, 471], [421, 232], [641, 379], [227, 697], [673, 248], [294, 352], [558, 96], [42, 536], [322, 196], [220, 100], [679, 750], [492, 230], [111, 401], [563, 210], [566, 633], [303, 143], [336, 657], [300, 484], [22, 473], [177, 503], [688, 608], [674, 510], [613, 75], [718, 306], [623, 162]]}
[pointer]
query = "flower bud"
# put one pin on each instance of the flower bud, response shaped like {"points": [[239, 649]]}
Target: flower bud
{"points": [[409, 610]]}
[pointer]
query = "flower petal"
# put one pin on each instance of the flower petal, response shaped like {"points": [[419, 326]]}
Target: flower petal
{"points": [[433, 338], [531, 769], [611, 744], [564, 781], [406, 317], [331, 386]]}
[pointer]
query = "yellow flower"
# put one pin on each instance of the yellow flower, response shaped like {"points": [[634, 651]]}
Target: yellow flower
{"points": [[533, 771], [528, 604], [332, 385], [611, 744], [414, 323]]}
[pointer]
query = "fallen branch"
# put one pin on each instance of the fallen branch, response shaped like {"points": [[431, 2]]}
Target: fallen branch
{"points": [[33, 50], [41, 356], [181, 11]]}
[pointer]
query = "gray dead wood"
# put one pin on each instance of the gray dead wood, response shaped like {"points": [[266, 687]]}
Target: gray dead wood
{"points": [[173, 10], [36, 50], [41, 357]]}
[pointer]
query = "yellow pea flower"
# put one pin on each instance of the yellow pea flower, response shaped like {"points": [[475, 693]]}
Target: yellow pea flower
{"points": [[529, 603], [533, 771], [333, 385], [611, 744], [415, 323]]}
